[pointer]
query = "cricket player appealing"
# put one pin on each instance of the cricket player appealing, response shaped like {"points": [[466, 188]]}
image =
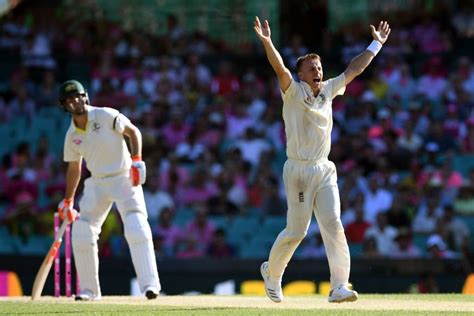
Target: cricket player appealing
{"points": [[310, 178], [96, 134]]}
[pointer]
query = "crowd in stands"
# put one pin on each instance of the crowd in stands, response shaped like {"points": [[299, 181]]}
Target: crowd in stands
{"points": [[214, 141]]}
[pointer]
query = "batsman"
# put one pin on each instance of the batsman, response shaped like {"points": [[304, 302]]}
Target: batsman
{"points": [[96, 134]]}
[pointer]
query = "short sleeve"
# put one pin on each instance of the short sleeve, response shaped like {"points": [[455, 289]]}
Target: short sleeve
{"points": [[113, 118], [120, 122], [337, 85], [292, 91], [69, 153]]}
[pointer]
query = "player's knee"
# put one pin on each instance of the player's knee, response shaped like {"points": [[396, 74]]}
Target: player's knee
{"points": [[334, 224], [294, 237], [83, 235], [136, 227]]}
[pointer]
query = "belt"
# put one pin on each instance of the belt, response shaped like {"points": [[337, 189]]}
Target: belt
{"points": [[319, 160]]}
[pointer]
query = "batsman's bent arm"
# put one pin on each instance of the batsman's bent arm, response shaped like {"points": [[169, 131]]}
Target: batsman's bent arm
{"points": [[43, 271]]}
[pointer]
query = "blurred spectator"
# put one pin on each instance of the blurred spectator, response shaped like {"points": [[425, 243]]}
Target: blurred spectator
{"points": [[37, 51], [427, 215], [47, 94], [219, 248], [237, 121], [376, 198], [21, 106], [189, 150], [169, 234], [200, 229], [295, 49], [194, 68], [177, 130], [20, 175], [21, 219], [428, 37], [437, 248], [456, 231], [409, 140], [271, 127], [156, 199], [449, 180], [225, 82], [140, 85], [404, 247], [356, 230], [175, 33], [252, 146], [463, 19], [398, 215], [383, 234], [190, 248], [172, 173], [199, 189], [272, 202], [232, 181], [436, 140], [370, 249], [467, 144], [166, 72], [432, 83], [404, 87], [160, 252], [464, 202], [452, 124]]}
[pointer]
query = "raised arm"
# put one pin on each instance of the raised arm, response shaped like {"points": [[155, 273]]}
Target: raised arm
{"points": [[273, 56], [361, 61]]}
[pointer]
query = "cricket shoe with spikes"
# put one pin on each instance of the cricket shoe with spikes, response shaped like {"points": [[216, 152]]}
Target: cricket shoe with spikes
{"points": [[87, 295], [272, 288], [151, 292], [343, 293]]}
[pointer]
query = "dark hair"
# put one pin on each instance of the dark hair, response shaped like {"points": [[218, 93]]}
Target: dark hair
{"points": [[301, 59]]}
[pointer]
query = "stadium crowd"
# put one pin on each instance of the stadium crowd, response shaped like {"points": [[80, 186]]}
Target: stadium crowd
{"points": [[214, 142]]}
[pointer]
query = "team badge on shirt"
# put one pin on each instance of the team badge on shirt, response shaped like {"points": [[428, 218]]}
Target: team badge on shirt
{"points": [[96, 127], [308, 100], [323, 98]]}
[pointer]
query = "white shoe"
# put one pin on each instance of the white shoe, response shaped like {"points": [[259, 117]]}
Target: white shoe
{"points": [[151, 292], [87, 295], [272, 288], [342, 293]]}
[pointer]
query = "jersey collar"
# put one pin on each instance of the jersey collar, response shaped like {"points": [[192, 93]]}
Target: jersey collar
{"points": [[309, 91]]}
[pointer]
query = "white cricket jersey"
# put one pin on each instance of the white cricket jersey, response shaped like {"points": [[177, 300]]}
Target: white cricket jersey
{"points": [[308, 119], [101, 145]]}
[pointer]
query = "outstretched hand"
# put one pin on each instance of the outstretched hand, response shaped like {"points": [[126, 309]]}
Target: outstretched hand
{"points": [[263, 31], [382, 32]]}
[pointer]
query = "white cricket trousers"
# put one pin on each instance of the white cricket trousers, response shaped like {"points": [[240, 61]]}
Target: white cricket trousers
{"points": [[95, 204], [311, 187]]}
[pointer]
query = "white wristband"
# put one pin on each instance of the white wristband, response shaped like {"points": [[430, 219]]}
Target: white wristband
{"points": [[374, 47]]}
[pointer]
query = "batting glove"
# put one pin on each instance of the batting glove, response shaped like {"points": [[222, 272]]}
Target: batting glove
{"points": [[138, 171], [66, 210]]}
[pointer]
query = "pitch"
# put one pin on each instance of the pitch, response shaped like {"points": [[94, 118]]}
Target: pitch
{"points": [[393, 304]]}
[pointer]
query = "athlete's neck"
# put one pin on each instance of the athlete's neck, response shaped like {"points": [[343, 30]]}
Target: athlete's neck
{"points": [[316, 92], [80, 120]]}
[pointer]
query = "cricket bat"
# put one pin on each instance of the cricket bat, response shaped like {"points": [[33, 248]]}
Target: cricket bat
{"points": [[43, 271]]}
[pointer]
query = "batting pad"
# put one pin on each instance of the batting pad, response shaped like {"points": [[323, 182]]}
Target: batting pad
{"points": [[84, 246], [139, 238]]}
